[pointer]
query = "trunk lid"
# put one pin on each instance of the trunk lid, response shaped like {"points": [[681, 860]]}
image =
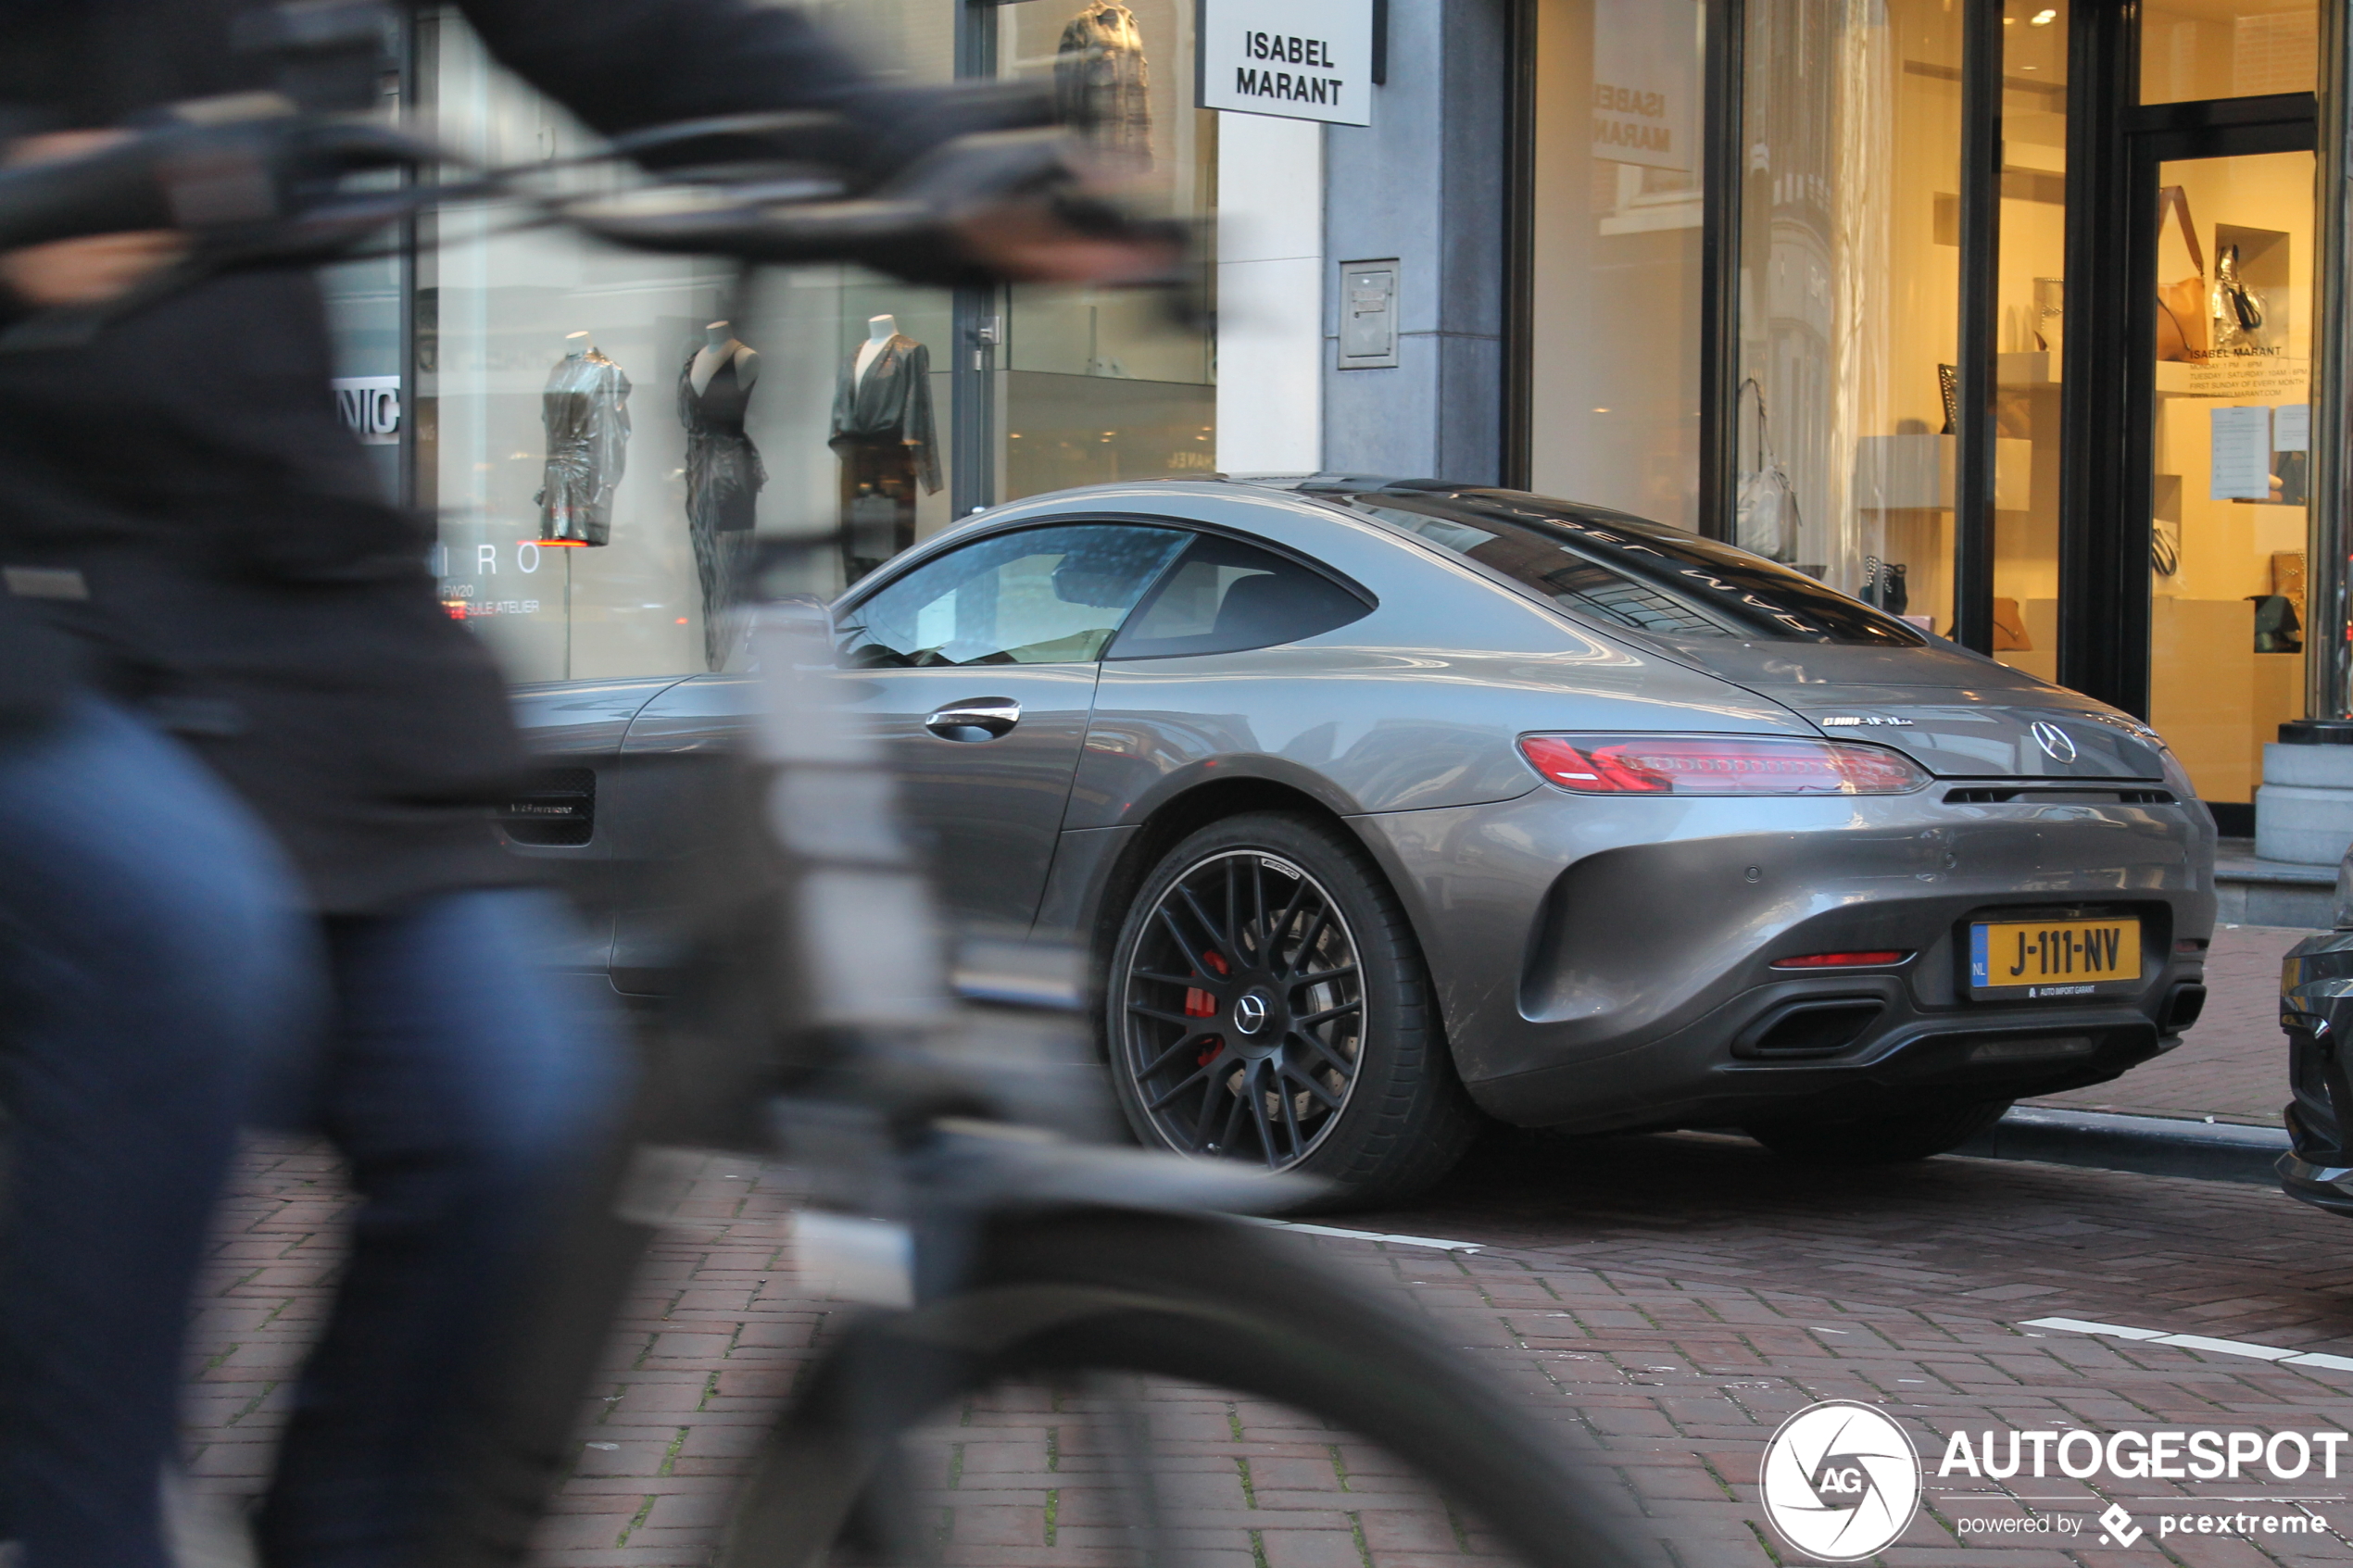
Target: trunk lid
{"points": [[1956, 714]]}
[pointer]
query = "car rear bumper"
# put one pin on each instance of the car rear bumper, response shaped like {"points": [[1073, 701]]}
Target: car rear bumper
{"points": [[2321, 1186], [1608, 963], [2316, 1008]]}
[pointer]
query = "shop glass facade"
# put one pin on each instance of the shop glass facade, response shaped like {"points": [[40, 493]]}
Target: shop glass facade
{"points": [[2031, 316], [1099, 384], [1824, 329], [2198, 49], [604, 433], [1848, 295], [1613, 371], [2231, 440]]}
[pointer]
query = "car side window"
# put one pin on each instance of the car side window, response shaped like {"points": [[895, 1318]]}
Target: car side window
{"points": [[1043, 596], [1224, 596]]}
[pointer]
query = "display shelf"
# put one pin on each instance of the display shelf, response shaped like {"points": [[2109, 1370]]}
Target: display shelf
{"points": [[1901, 472]]}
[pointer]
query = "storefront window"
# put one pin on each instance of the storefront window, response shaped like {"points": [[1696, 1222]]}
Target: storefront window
{"points": [[1102, 384], [2031, 319], [2227, 48], [1850, 254], [604, 433], [1615, 372], [2232, 439]]}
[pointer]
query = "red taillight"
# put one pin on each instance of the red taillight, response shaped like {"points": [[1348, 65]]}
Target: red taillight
{"points": [[1873, 959], [1718, 765]]}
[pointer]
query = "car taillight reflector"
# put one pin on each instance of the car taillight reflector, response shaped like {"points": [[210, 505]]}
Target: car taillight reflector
{"points": [[1718, 765], [1872, 960]]}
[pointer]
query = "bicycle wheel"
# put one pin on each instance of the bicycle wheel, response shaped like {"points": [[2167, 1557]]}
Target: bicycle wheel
{"points": [[1121, 1388]]}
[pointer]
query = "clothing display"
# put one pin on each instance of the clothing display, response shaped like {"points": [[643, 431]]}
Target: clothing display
{"points": [[585, 410], [882, 431], [1100, 85], [723, 481], [877, 506]]}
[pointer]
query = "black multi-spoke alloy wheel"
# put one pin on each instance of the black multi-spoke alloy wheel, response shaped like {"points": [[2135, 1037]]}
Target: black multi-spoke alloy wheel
{"points": [[1267, 1003], [1888, 1139]]}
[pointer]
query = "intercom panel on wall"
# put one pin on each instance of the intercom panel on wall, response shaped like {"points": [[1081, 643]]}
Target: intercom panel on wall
{"points": [[1368, 314]]}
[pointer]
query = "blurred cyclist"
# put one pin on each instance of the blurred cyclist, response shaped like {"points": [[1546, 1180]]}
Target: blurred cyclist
{"points": [[178, 495], [150, 950]]}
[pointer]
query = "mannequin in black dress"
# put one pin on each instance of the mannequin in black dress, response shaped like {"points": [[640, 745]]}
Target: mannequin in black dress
{"points": [[723, 472]]}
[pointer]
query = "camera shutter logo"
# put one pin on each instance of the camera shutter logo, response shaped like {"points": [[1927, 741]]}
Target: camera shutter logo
{"points": [[2053, 742], [1841, 1481]]}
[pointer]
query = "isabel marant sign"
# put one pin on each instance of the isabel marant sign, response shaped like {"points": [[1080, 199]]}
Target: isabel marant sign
{"points": [[1296, 59]]}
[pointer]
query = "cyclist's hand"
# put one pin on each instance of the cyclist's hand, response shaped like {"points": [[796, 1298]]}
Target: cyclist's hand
{"points": [[86, 272], [1026, 242]]}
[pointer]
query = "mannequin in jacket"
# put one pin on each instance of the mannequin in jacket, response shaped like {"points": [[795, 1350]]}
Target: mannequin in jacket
{"points": [[882, 433], [880, 329]]}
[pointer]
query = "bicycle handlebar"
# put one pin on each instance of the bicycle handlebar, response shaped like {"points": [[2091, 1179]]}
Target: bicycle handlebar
{"points": [[251, 181]]}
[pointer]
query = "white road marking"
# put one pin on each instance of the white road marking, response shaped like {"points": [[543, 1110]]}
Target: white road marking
{"points": [[2196, 1342], [1374, 1235]]}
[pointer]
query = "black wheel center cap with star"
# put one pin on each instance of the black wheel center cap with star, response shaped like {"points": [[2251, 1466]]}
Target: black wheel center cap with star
{"points": [[1256, 1015]]}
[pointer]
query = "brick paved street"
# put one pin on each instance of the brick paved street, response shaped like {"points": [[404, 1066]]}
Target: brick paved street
{"points": [[2233, 1064], [1663, 1302]]}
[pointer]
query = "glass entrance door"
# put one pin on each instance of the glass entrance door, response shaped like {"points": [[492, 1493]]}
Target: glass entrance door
{"points": [[2230, 439]]}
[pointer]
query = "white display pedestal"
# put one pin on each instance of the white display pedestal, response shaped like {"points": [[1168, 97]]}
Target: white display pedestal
{"points": [[2304, 810]]}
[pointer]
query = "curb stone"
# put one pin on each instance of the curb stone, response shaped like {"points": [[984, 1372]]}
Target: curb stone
{"points": [[2149, 1146]]}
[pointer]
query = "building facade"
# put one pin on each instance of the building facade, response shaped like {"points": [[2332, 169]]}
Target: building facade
{"points": [[2018, 317]]}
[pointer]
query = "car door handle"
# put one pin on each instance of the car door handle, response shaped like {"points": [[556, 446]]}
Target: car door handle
{"points": [[993, 716]]}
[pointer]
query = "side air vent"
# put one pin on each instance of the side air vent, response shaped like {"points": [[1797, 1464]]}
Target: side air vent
{"points": [[1805, 1029], [2007, 795], [556, 808]]}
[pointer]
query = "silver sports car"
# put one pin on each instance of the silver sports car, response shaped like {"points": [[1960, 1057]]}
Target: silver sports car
{"points": [[1378, 804]]}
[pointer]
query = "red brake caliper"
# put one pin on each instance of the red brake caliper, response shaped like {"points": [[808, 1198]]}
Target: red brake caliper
{"points": [[1201, 1004]]}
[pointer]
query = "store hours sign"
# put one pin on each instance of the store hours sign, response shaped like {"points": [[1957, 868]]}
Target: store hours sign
{"points": [[1296, 59]]}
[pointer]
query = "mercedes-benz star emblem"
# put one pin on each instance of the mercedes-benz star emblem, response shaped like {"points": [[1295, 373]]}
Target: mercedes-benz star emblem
{"points": [[1841, 1481], [1249, 1013], [2053, 742]]}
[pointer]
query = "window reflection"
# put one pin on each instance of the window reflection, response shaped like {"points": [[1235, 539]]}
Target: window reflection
{"points": [[1849, 295]]}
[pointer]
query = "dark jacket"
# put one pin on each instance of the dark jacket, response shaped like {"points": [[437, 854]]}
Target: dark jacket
{"points": [[890, 406], [245, 579]]}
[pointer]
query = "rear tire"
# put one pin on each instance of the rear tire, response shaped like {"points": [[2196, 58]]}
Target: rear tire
{"points": [[1063, 1303], [1342, 1070], [1879, 1140]]}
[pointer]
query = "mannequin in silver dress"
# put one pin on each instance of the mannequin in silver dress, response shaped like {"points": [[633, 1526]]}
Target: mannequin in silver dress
{"points": [[586, 412], [723, 472]]}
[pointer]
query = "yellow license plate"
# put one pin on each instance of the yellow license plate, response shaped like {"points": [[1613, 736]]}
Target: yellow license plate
{"points": [[2053, 958]]}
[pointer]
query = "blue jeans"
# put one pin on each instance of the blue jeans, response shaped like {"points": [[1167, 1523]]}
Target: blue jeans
{"points": [[151, 951], [466, 1088]]}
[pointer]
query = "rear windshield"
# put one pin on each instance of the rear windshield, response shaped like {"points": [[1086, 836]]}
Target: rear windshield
{"points": [[1630, 572]]}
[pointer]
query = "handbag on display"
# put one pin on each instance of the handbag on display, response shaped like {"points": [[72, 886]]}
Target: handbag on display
{"points": [[1765, 520], [2277, 629], [2010, 628], [2181, 309], [1884, 585], [2238, 310]]}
